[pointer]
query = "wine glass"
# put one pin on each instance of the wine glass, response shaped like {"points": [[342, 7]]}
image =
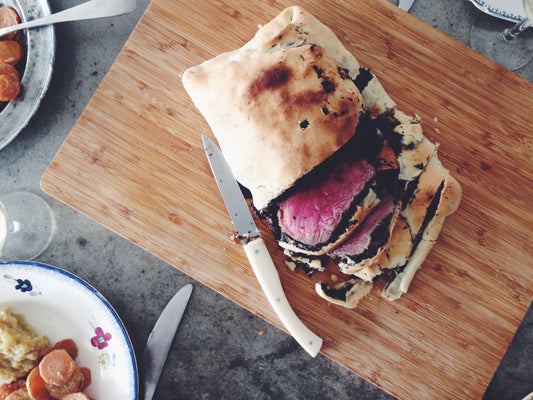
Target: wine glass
{"points": [[26, 226], [493, 38]]}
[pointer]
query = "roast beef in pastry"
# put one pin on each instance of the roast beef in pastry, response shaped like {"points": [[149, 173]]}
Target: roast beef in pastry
{"points": [[341, 175]]}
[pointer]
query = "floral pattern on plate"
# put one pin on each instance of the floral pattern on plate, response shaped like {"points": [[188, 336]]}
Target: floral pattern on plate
{"points": [[511, 10], [60, 305]]}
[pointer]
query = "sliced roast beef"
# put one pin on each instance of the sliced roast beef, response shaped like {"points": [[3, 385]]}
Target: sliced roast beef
{"points": [[310, 216], [360, 240]]}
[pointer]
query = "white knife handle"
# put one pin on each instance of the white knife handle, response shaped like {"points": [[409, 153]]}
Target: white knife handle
{"points": [[268, 278]]}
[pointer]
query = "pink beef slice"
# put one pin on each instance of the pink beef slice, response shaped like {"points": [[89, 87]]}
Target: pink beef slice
{"points": [[311, 215], [360, 239]]}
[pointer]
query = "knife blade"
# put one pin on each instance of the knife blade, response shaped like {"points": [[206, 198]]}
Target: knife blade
{"points": [[406, 4], [159, 341], [403, 4], [256, 251]]}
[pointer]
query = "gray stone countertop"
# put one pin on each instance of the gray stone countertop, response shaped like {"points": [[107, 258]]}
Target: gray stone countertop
{"points": [[221, 351]]}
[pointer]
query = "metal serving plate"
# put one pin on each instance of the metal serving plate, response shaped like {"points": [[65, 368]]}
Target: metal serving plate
{"points": [[510, 10], [39, 45]]}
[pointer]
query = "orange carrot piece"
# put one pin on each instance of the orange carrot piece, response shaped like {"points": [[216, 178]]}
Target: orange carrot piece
{"points": [[86, 377], [9, 17], [21, 394], [74, 385], [9, 88], [75, 396], [10, 52], [57, 367], [8, 69], [36, 386], [69, 345], [7, 388], [9, 82]]}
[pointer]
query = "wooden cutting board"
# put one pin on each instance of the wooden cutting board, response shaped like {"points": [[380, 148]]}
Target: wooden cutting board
{"points": [[134, 162]]}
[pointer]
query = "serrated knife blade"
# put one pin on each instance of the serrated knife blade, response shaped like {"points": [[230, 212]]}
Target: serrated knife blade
{"points": [[255, 249], [159, 341]]}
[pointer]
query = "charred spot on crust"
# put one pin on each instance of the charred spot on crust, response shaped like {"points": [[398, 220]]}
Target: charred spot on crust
{"points": [[344, 73], [328, 86], [339, 294], [304, 124], [430, 213], [319, 72], [409, 192], [325, 111], [270, 79], [309, 271], [363, 79], [343, 112]]}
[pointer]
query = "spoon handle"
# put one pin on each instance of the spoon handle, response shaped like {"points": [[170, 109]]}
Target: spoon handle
{"points": [[88, 10]]}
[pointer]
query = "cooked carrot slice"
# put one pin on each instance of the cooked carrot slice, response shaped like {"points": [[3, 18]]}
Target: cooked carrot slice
{"points": [[69, 345], [20, 394], [10, 52], [9, 87], [74, 385], [8, 69], [36, 386], [57, 367], [7, 388], [9, 17], [75, 396], [86, 377]]}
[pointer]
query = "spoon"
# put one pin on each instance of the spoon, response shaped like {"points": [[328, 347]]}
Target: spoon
{"points": [[88, 10]]}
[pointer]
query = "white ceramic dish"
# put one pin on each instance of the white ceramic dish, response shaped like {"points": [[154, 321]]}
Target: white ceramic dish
{"points": [[511, 10], [39, 45], [60, 305]]}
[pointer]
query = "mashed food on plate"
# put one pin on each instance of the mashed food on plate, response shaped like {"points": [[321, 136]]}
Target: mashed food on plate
{"points": [[20, 347]]}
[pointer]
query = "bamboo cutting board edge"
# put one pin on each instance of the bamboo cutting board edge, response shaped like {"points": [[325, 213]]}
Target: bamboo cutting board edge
{"points": [[53, 184]]}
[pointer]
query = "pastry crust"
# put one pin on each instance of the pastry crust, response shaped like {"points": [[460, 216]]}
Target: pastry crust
{"points": [[287, 101], [284, 112], [348, 293]]}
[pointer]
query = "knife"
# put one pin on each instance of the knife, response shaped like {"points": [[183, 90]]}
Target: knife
{"points": [[403, 4], [158, 344], [256, 251]]}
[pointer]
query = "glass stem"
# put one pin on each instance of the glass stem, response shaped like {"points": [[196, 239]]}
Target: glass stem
{"points": [[511, 33]]}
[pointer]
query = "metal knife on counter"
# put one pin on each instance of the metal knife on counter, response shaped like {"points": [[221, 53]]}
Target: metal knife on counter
{"points": [[158, 344], [256, 251], [403, 4]]}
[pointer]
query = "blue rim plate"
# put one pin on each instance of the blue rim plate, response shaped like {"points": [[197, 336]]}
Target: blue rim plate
{"points": [[39, 44], [510, 10], [60, 305]]}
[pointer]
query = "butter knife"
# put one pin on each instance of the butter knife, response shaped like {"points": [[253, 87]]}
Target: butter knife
{"points": [[158, 344], [403, 4], [255, 249]]}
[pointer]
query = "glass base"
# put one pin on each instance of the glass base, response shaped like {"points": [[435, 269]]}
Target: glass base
{"points": [[31, 226], [486, 37]]}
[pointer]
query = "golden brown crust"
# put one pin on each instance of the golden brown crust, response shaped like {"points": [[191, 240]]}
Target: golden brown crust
{"points": [[283, 112]]}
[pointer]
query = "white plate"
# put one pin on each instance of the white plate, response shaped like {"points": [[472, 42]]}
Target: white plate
{"points": [[60, 305], [511, 10], [39, 45]]}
